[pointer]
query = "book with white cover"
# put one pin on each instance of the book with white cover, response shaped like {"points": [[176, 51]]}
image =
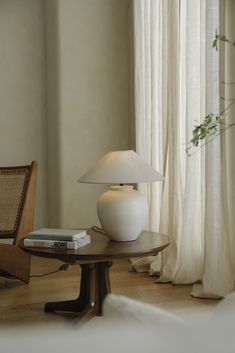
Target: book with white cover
{"points": [[57, 234], [57, 244]]}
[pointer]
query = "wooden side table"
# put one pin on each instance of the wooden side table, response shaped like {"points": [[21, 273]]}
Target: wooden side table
{"points": [[95, 261]]}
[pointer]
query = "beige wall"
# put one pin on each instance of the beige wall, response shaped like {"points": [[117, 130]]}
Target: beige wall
{"points": [[22, 90], [53, 112], [64, 96], [89, 104]]}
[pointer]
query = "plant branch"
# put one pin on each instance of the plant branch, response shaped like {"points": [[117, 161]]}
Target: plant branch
{"points": [[208, 141], [228, 83], [228, 107], [212, 125], [222, 38]]}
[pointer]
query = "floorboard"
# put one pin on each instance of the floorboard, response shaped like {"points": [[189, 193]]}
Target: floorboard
{"points": [[23, 304]]}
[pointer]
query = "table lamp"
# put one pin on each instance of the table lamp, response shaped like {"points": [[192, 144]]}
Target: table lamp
{"points": [[122, 211]]}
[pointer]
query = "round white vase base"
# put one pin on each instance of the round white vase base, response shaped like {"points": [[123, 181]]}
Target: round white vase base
{"points": [[122, 212]]}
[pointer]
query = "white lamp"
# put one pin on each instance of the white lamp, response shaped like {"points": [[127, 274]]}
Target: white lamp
{"points": [[122, 211]]}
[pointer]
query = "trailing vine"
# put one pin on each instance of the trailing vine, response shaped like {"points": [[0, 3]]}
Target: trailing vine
{"points": [[212, 124]]}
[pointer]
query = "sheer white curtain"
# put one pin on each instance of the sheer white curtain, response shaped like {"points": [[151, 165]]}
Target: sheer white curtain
{"points": [[177, 84]]}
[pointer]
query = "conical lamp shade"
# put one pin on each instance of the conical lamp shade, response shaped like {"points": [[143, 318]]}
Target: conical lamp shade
{"points": [[121, 167]]}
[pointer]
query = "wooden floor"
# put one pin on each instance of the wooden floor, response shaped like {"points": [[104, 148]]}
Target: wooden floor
{"points": [[23, 304]]}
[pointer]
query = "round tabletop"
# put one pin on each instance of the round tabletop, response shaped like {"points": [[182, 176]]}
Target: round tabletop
{"points": [[102, 248]]}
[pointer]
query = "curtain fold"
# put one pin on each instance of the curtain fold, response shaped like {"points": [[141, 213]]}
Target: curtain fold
{"points": [[177, 84]]}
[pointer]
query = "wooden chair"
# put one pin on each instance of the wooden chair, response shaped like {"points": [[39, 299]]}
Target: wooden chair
{"points": [[17, 204]]}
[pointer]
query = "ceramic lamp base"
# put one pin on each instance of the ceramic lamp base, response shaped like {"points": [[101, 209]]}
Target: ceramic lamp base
{"points": [[122, 212]]}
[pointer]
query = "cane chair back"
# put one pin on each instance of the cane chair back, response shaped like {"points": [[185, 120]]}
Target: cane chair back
{"points": [[13, 187], [17, 205]]}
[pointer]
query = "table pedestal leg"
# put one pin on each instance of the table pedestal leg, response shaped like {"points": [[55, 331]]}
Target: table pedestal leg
{"points": [[94, 286], [102, 285]]}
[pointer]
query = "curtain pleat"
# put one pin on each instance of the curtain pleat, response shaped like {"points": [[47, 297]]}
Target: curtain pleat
{"points": [[177, 83]]}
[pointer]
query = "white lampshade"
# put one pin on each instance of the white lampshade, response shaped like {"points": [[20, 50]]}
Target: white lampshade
{"points": [[121, 167]]}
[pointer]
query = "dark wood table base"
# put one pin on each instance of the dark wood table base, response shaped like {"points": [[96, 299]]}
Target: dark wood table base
{"points": [[94, 286], [95, 260]]}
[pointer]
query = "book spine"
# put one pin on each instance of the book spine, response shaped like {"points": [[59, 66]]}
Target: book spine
{"points": [[55, 237], [57, 244]]}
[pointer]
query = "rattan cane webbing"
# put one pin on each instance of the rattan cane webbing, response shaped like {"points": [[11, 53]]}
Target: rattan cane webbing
{"points": [[13, 185]]}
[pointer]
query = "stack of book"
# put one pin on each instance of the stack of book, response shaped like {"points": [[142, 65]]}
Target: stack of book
{"points": [[57, 238]]}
